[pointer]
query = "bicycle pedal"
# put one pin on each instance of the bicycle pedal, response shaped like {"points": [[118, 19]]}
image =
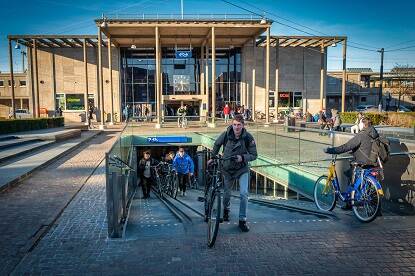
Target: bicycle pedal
{"points": [[201, 199]]}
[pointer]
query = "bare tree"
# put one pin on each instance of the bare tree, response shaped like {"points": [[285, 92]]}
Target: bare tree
{"points": [[403, 81]]}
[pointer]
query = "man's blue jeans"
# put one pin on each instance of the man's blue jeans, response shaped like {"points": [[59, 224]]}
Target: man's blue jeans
{"points": [[243, 190]]}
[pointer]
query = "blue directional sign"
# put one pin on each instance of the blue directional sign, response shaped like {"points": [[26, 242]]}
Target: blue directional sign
{"points": [[168, 139], [183, 54]]}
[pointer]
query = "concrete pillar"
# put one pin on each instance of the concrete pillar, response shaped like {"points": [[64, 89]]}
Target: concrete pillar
{"points": [[111, 81], [37, 96], [277, 73], [12, 77], [344, 77], [213, 77], [158, 97], [86, 81], [54, 82], [253, 81], [100, 79], [207, 81], [267, 78], [285, 192], [32, 85], [274, 190], [202, 70], [322, 75]]}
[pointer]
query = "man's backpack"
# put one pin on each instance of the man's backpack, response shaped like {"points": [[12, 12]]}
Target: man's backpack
{"points": [[381, 149]]}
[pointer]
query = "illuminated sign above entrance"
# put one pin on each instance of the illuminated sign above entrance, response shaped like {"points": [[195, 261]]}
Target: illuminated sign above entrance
{"points": [[169, 139], [183, 54]]}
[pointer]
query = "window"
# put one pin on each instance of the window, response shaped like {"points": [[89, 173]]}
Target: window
{"points": [[22, 83], [290, 99], [413, 98], [363, 99], [75, 102], [1, 83], [9, 82], [60, 101]]}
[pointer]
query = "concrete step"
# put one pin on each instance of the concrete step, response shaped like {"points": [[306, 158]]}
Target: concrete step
{"points": [[22, 150], [11, 174], [17, 142], [6, 138]]}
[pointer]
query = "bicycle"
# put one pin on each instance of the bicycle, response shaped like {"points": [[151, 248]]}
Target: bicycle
{"points": [[182, 121], [213, 198], [172, 182], [364, 194], [159, 184]]}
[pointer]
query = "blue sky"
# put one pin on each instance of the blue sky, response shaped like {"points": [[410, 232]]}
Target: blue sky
{"points": [[369, 23]]}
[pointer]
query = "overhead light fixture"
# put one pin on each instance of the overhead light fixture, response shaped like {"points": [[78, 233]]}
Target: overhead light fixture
{"points": [[133, 46], [17, 46], [334, 44], [263, 21]]}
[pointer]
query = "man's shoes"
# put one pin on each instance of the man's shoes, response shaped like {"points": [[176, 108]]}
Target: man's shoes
{"points": [[225, 215], [347, 206], [243, 226]]}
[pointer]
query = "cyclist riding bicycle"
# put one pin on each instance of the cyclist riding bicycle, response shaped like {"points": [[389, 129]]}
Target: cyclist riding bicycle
{"points": [[181, 113], [361, 146], [239, 143]]}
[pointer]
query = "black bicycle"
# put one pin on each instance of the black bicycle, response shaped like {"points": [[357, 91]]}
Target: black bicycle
{"points": [[213, 198], [172, 181], [159, 181]]}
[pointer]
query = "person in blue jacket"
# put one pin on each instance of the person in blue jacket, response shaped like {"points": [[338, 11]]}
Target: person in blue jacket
{"points": [[185, 168]]}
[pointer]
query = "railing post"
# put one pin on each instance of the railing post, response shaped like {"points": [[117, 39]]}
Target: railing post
{"points": [[117, 206], [201, 175]]}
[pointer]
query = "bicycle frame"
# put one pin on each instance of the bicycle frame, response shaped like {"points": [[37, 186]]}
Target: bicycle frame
{"points": [[360, 173]]}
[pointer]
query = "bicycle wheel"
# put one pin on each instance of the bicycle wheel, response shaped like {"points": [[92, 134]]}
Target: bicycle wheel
{"points": [[366, 201], [159, 187], [214, 217], [324, 196], [174, 185]]}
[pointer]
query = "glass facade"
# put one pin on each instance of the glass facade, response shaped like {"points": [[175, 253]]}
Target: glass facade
{"points": [[181, 76]]}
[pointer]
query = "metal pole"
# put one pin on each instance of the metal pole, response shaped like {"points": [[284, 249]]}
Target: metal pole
{"points": [[344, 77], [32, 85], [181, 3], [381, 78], [253, 81], [213, 77], [158, 98], [12, 77]]}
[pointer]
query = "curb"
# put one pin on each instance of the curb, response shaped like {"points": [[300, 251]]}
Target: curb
{"points": [[16, 181]]}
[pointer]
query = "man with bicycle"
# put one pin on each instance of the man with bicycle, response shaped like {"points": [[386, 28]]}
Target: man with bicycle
{"points": [[184, 166], [361, 146], [237, 142], [181, 113]]}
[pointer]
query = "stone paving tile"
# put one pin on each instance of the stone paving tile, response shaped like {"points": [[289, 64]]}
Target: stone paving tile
{"points": [[78, 245], [29, 208]]}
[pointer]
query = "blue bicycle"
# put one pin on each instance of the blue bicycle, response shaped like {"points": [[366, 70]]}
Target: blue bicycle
{"points": [[363, 195]]}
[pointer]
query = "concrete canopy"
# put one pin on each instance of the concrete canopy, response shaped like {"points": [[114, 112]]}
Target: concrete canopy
{"points": [[125, 32]]}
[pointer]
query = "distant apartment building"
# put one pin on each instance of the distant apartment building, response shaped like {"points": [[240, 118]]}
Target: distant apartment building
{"points": [[362, 88]]}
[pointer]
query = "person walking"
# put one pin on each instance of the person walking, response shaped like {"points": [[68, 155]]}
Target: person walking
{"points": [[146, 173], [226, 112], [237, 142], [184, 167]]}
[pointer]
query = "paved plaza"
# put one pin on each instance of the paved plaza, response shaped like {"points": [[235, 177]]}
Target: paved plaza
{"points": [[55, 222]]}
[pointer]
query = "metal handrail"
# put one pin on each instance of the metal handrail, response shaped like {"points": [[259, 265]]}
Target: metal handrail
{"points": [[176, 16]]}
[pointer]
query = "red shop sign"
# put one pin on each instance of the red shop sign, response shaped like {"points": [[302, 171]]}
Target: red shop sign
{"points": [[284, 95]]}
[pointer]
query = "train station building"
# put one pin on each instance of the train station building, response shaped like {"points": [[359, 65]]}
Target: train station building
{"points": [[155, 65]]}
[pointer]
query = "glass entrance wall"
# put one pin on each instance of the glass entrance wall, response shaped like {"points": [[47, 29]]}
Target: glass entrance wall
{"points": [[228, 78], [138, 71], [181, 76]]}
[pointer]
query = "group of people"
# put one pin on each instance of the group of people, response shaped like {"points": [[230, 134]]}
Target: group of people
{"points": [[181, 161], [136, 111], [333, 123], [228, 112]]}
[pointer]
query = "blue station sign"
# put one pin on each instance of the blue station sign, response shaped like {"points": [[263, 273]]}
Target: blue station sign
{"points": [[168, 139], [183, 54]]}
